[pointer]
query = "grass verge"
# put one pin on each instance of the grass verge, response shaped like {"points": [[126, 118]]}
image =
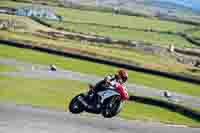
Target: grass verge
{"points": [[134, 110], [58, 93], [7, 68]]}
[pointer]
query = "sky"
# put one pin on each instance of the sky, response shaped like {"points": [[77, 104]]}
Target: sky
{"points": [[195, 4]]}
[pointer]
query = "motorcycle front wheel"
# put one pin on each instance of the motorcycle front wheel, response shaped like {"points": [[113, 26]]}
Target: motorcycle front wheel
{"points": [[111, 107]]}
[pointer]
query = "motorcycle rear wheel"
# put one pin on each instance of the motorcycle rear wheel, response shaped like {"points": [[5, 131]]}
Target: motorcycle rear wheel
{"points": [[75, 106]]}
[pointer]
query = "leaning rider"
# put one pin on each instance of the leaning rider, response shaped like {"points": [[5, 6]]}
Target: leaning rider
{"points": [[111, 81]]}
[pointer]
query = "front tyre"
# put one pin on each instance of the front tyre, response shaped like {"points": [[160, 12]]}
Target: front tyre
{"points": [[111, 107], [75, 106]]}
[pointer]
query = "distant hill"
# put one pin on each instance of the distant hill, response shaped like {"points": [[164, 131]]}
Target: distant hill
{"points": [[192, 5], [184, 9]]}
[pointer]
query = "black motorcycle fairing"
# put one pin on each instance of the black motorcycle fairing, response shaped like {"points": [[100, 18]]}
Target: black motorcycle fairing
{"points": [[93, 103]]}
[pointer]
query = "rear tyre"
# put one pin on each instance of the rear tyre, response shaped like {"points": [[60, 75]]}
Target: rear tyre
{"points": [[76, 106], [111, 107]]}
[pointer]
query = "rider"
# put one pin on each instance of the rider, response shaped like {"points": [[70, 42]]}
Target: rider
{"points": [[111, 81]]}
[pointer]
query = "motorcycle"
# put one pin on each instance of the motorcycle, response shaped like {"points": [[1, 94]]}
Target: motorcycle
{"points": [[108, 102]]}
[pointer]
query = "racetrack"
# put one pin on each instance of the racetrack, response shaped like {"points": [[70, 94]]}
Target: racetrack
{"points": [[26, 119], [42, 72]]}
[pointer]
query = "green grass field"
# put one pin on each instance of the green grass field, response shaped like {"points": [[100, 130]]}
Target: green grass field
{"points": [[7, 68], [119, 20], [134, 110], [108, 19], [57, 94], [97, 69], [49, 93], [195, 33], [76, 15], [125, 34]]}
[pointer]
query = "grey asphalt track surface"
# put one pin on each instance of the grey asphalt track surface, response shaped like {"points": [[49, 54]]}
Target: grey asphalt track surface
{"points": [[27, 119], [42, 72]]}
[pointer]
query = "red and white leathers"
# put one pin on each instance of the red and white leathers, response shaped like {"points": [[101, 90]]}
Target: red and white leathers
{"points": [[112, 82], [123, 91]]}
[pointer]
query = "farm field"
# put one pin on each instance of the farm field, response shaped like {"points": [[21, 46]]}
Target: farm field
{"points": [[28, 31], [95, 22]]}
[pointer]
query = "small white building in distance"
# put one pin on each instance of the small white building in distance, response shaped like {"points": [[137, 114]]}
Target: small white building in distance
{"points": [[38, 11]]}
